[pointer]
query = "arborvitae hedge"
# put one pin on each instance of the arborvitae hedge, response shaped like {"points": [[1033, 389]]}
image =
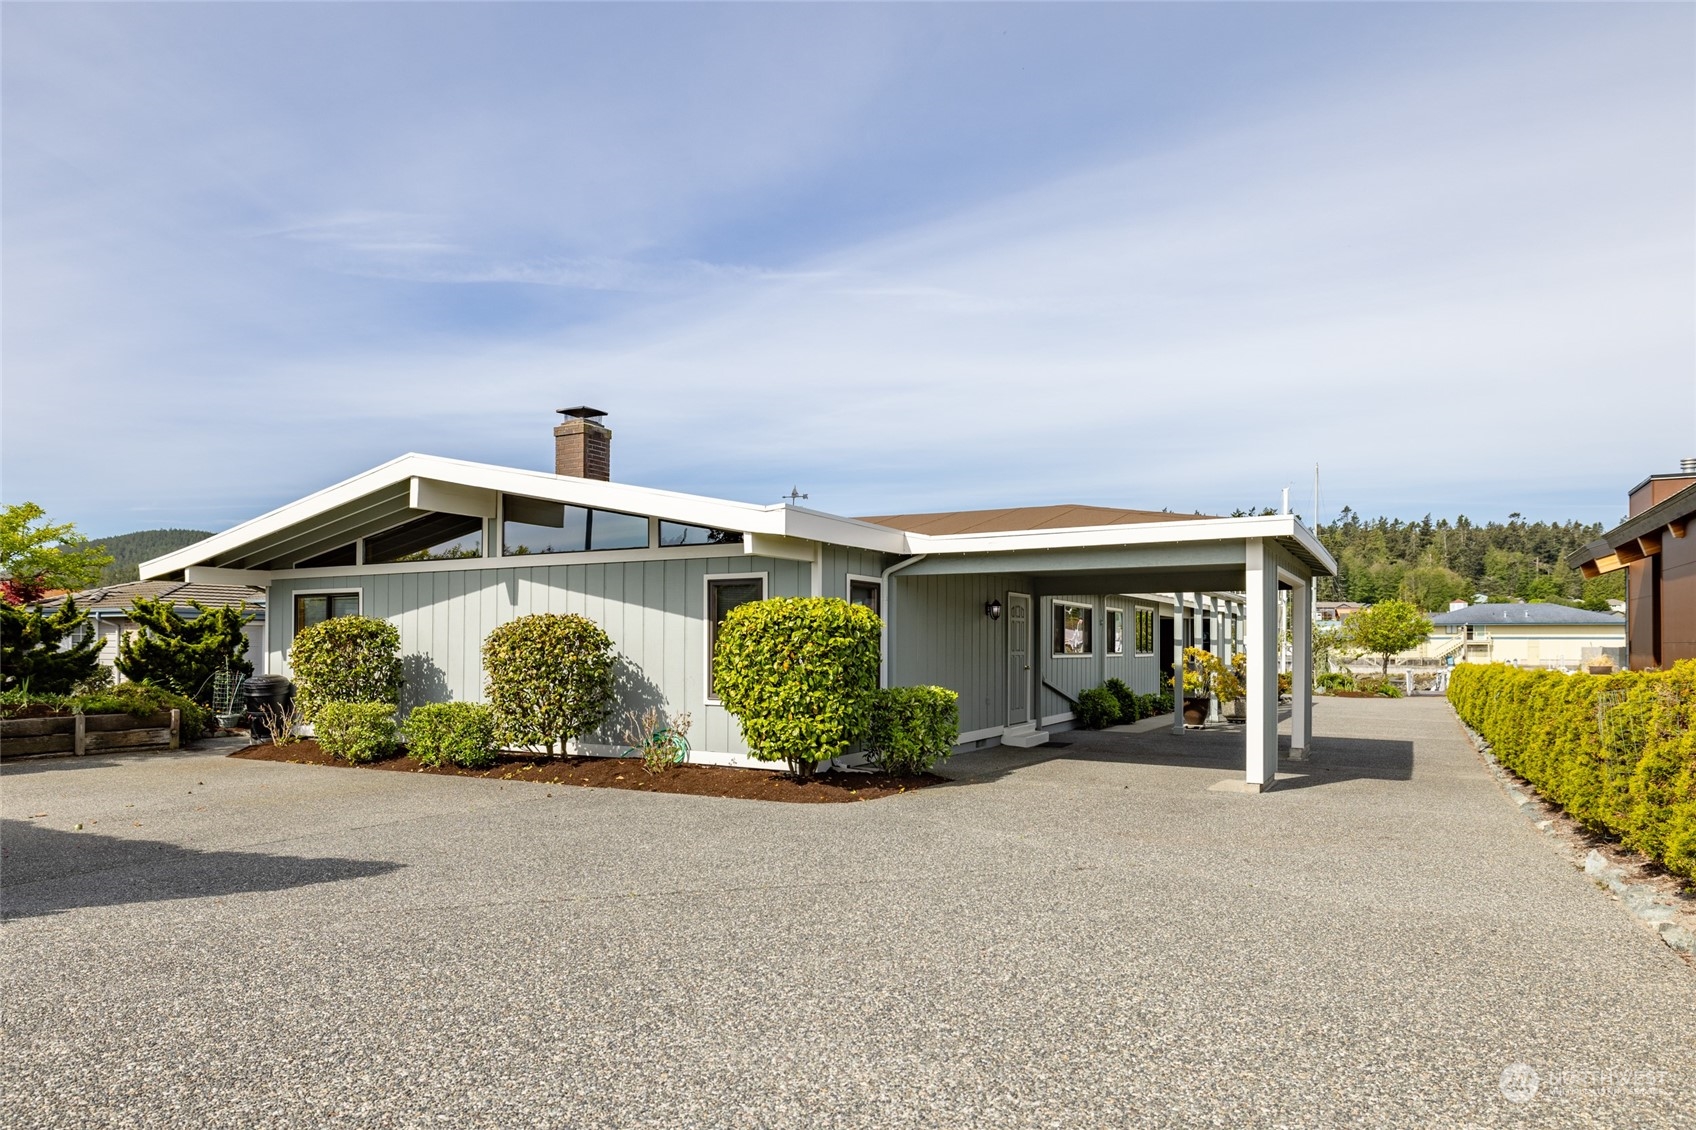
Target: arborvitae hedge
{"points": [[1617, 752]]}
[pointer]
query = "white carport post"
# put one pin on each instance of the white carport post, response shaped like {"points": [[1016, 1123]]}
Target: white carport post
{"points": [[1261, 587], [1178, 663], [1301, 671], [1215, 646]]}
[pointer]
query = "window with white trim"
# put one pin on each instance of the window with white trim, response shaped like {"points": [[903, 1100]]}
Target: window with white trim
{"points": [[1115, 632], [534, 525], [1074, 626], [867, 594], [1144, 642], [723, 595], [313, 608]]}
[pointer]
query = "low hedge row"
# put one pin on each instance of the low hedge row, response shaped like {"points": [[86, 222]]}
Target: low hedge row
{"points": [[1617, 752], [1113, 703], [912, 728]]}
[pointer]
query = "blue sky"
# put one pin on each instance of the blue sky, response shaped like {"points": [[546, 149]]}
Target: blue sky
{"points": [[905, 257]]}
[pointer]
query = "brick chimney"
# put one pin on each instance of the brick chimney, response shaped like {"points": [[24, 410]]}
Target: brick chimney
{"points": [[583, 445]]}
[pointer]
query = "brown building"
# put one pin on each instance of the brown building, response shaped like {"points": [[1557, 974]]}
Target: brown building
{"points": [[1654, 546]]}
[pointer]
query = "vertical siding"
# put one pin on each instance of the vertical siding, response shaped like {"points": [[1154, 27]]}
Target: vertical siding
{"points": [[653, 610], [943, 638]]}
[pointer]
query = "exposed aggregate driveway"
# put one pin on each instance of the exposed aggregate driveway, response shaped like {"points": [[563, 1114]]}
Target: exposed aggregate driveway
{"points": [[1082, 936]]}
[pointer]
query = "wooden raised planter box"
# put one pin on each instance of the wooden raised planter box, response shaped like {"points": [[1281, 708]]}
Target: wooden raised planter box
{"points": [[89, 733]]}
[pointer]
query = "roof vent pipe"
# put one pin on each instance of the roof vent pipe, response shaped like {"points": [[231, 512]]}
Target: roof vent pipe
{"points": [[583, 444], [1688, 466]]}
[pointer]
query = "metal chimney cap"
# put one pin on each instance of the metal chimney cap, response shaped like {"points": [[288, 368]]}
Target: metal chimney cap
{"points": [[1687, 466], [582, 412]]}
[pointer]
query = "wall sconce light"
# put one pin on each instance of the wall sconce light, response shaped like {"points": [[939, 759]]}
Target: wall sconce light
{"points": [[992, 609]]}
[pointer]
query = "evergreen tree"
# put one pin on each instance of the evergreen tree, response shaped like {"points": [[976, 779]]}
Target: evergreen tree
{"points": [[33, 650], [182, 653]]}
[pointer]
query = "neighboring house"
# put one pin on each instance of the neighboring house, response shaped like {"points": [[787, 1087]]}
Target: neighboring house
{"points": [[108, 608], [1525, 635], [1019, 610], [1654, 545]]}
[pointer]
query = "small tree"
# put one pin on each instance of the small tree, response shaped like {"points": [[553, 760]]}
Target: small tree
{"points": [[1384, 629], [183, 653], [35, 558], [346, 659], [33, 651], [800, 674], [549, 678]]}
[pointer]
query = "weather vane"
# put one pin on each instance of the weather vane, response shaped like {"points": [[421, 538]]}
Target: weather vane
{"points": [[794, 495]]}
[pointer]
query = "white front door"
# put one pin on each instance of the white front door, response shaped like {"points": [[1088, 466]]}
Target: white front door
{"points": [[1018, 659]]}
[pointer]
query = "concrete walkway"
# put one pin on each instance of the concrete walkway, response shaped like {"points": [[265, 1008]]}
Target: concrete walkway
{"points": [[1077, 936]]}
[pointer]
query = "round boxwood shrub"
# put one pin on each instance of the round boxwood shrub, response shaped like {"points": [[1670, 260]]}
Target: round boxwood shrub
{"points": [[1097, 709], [799, 673], [912, 728], [550, 678], [356, 731], [452, 733], [345, 659]]}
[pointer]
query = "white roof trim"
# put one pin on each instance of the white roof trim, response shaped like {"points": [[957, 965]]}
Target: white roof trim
{"points": [[1141, 533], [778, 520]]}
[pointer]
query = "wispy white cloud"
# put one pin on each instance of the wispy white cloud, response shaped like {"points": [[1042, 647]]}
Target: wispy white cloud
{"points": [[1427, 278]]}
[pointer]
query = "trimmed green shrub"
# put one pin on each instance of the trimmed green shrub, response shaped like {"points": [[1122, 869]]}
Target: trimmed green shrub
{"points": [[452, 733], [1335, 681], [1097, 709], [345, 659], [183, 653], [33, 651], [1125, 697], [1617, 752], [1151, 705], [549, 677], [912, 728], [356, 731], [800, 674]]}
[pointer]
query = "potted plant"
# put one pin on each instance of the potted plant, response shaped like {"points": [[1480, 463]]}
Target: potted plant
{"points": [[1206, 676]]}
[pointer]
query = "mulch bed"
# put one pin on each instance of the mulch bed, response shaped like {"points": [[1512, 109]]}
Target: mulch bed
{"points": [[627, 773]]}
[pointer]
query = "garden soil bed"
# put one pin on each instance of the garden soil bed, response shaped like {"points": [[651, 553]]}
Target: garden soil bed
{"points": [[627, 773]]}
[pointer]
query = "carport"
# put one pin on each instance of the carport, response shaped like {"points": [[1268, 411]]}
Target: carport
{"points": [[1230, 565]]}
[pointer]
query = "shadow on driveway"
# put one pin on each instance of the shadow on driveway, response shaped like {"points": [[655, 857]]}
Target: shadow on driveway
{"points": [[1215, 750], [47, 871]]}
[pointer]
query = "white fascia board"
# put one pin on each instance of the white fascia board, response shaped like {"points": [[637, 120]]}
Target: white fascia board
{"points": [[816, 525], [1141, 533], [672, 506], [212, 575]]}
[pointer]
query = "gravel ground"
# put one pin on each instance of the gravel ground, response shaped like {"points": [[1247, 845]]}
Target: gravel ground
{"points": [[1074, 936]]}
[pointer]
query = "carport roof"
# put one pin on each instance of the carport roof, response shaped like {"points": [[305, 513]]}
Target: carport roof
{"points": [[1062, 517]]}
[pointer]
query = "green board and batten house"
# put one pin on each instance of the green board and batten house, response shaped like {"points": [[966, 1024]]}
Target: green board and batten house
{"points": [[1018, 610]]}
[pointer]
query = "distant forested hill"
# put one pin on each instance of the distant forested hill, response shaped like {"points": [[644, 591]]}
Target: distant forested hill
{"points": [[130, 550], [1431, 563]]}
